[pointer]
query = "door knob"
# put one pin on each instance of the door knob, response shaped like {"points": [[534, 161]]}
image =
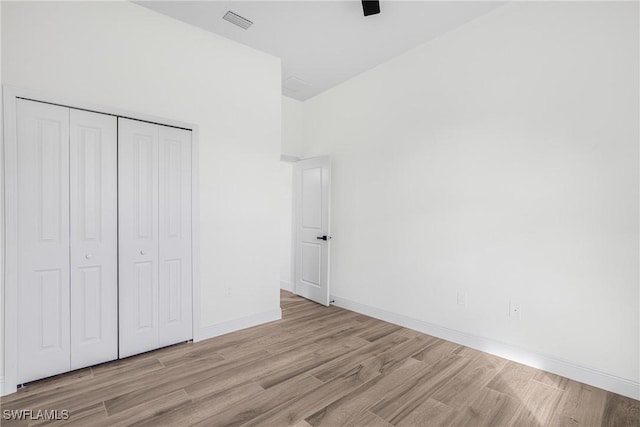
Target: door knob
{"points": [[88, 256], [323, 237], [143, 252]]}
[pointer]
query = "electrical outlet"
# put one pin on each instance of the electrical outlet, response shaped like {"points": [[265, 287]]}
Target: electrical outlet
{"points": [[227, 292], [515, 309], [462, 299]]}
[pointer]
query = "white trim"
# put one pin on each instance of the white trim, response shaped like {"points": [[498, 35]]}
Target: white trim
{"points": [[66, 101], [196, 301], [2, 251], [10, 214], [223, 328], [565, 368], [294, 228], [286, 286], [9, 284], [289, 159]]}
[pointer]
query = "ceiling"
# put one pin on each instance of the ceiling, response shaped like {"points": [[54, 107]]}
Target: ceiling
{"points": [[324, 43]]}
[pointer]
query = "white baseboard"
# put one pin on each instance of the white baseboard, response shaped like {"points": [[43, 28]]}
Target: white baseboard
{"points": [[552, 364], [4, 391], [286, 286], [223, 328]]}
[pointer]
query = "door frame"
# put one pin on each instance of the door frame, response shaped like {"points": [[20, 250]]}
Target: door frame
{"points": [[8, 226], [295, 217]]}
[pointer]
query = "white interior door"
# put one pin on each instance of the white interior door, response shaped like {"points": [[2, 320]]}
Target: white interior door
{"points": [[175, 320], [94, 244], [43, 240], [138, 236], [312, 181]]}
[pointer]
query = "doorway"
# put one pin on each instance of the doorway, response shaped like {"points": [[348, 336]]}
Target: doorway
{"points": [[305, 233]]}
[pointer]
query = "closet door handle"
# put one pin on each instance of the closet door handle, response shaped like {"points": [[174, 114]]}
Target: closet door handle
{"points": [[88, 256], [143, 252]]}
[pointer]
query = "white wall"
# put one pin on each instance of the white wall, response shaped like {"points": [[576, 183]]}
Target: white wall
{"points": [[286, 211], [291, 127], [499, 160], [292, 122], [122, 55]]}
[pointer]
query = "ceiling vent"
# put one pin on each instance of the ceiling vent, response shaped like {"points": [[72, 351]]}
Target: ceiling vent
{"points": [[295, 84], [238, 20]]}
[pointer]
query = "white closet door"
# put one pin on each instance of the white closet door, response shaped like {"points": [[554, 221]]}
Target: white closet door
{"points": [[94, 233], [138, 236], [43, 240], [175, 235]]}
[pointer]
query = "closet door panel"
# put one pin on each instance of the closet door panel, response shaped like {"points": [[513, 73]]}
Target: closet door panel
{"points": [[138, 236], [94, 233], [43, 240], [175, 235]]}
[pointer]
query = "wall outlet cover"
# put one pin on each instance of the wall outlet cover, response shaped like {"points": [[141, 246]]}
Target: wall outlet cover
{"points": [[462, 299], [515, 310]]}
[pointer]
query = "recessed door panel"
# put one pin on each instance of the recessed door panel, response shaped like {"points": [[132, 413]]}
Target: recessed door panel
{"points": [[51, 309], [311, 261], [94, 213], [91, 306], [138, 236], [43, 240], [175, 236], [312, 198], [51, 149], [173, 276], [144, 175], [146, 311]]}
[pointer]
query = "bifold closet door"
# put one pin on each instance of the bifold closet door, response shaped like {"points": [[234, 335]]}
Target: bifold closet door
{"points": [[138, 236], [43, 240], [174, 236], [67, 239], [94, 238], [154, 169]]}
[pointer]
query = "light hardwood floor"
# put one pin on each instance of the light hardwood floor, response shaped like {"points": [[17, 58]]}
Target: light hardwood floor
{"points": [[322, 366]]}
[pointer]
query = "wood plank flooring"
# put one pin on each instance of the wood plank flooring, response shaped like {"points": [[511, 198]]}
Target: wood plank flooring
{"points": [[320, 366]]}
